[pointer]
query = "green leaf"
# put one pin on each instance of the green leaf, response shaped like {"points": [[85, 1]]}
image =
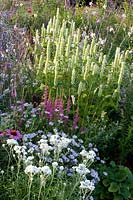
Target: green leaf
{"points": [[106, 182], [84, 95], [125, 192], [42, 86], [112, 163], [113, 187], [121, 175], [116, 197], [130, 178], [104, 195]]}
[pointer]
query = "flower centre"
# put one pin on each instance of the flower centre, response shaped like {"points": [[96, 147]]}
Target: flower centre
{"points": [[13, 132]]}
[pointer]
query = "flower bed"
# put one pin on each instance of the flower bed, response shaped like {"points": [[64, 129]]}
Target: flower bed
{"points": [[66, 101]]}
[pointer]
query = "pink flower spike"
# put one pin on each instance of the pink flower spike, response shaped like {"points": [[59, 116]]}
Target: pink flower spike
{"points": [[58, 105], [68, 105], [49, 109], [14, 92]]}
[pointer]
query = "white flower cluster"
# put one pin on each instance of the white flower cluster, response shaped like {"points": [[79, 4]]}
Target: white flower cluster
{"points": [[21, 153], [12, 142], [54, 164], [63, 143], [54, 139], [81, 169], [20, 149], [45, 148], [56, 155], [88, 155], [59, 142], [32, 170], [87, 184], [46, 170], [17, 149]]}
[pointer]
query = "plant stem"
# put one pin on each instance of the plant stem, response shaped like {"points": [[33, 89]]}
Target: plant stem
{"points": [[40, 191], [30, 184], [77, 182]]}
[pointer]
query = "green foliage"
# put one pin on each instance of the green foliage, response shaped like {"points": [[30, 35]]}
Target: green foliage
{"points": [[33, 14], [117, 183], [114, 139], [64, 60], [6, 4], [113, 25], [30, 173], [85, 55]]}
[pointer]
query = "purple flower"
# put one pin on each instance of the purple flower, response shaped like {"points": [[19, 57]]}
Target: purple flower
{"points": [[49, 109], [60, 160], [75, 161], [75, 154], [1, 134], [71, 157], [74, 143], [91, 198], [98, 21], [65, 158], [69, 174], [14, 134], [71, 170], [58, 105], [95, 176]]}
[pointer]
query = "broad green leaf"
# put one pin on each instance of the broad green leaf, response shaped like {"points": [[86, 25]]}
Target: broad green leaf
{"points": [[121, 175], [116, 197], [113, 187], [112, 163], [106, 182], [104, 195], [125, 192]]}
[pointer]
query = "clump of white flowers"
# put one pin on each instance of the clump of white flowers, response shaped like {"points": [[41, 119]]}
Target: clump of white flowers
{"points": [[53, 154], [90, 155], [54, 164], [12, 142], [59, 142], [87, 184], [31, 170], [45, 148], [46, 170], [82, 169]]}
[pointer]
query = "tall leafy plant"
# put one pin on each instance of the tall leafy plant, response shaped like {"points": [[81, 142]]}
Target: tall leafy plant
{"points": [[65, 60]]}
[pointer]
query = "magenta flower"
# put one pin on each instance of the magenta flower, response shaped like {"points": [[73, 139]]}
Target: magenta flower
{"points": [[1, 134], [58, 105], [49, 109], [14, 92], [14, 134]]}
